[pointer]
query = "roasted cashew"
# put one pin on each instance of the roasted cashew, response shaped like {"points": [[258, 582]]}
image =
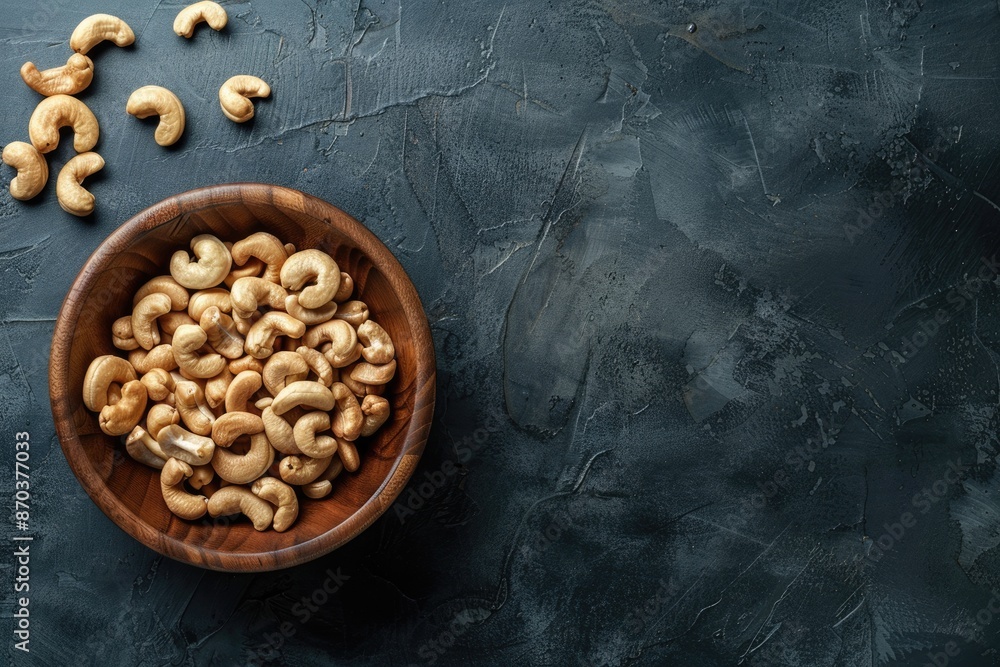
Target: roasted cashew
{"points": [[243, 386], [99, 28], [188, 340], [244, 468], [217, 387], [353, 312], [139, 446], [159, 384], [376, 411], [158, 101], [159, 416], [374, 374], [203, 475], [32, 169], [57, 112], [209, 269], [309, 316], [251, 269], [279, 432], [69, 79], [72, 196], [323, 485], [342, 337], [144, 316], [222, 333], [186, 446], [180, 502], [209, 12], [235, 93], [360, 389], [314, 273], [248, 294], [246, 363], [264, 247], [282, 368], [302, 469], [346, 288], [260, 339], [305, 430], [190, 402], [167, 285], [121, 334], [280, 495], [378, 347], [120, 418], [161, 356], [348, 453], [237, 500], [348, 420], [232, 425], [303, 393], [202, 300], [318, 364], [102, 372]]}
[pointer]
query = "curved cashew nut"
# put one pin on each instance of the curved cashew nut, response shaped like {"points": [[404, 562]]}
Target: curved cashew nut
{"points": [[353, 312], [210, 12], [72, 196], [305, 431], [239, 500], [282, 496], [160, 416], [265, 247], [159, 384], [260, 338], [57, 112], [158, 101], [279, 432], [217, 387], [210, 268], [161, 356], [166, 285], [318, 364], [378, 347], [303, 393], [309, 316], [281, 368], [180, 502], [32, 169], [235, 93], [346, 288], [186, 446], [120, 418], [99, 28], [232, 425], [203, 475], [302, 469], [168, 322], [69, 79], [188, 339], [348, 420], [248, 293], [251, 269], [202, 300], [374, 374], [222, 333], [103, 371], [121, 334], [190, 403], [311, 266], [348, 453], [139, 446], [243, 386], [244, 468], [144, 316], [323, 485], [246, 363], [376, 411], [343, 339]]}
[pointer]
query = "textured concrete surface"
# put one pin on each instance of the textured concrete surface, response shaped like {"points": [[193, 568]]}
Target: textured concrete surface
{"points": [[715, 314]]}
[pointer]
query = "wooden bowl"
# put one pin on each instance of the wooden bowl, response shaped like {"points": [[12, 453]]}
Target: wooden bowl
{"points": [[128, 492]]}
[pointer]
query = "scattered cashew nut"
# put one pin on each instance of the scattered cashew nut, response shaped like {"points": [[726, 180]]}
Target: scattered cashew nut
{"points": [[209, 12], [72, 196], [99, 28], [158, 101], [235, 94], [69, 79], [59, 111], [32, 169]]}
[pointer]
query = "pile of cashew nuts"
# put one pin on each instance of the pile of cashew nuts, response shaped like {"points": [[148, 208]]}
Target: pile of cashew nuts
{"points": [[59, 109], [250, 371]]}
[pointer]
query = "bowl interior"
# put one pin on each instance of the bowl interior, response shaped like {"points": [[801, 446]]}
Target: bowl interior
{"points": [[130, 492]]}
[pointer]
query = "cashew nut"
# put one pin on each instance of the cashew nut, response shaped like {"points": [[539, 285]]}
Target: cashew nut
{"points": [[217, 387], [167, 285], [378, 347], [236, 500], [374, 374], [32, 169], [348, 420], [299, 470], [353, 312], [315, 267], [210, 268], [186, 446], [232, 425], [209, 12], [70, 79], [103, 371], [204, 299], [144, 316], [235, 93], [309, 316], [188, 339], [348, 454], [180, 502], [244, 468], [248, 294], [98, 28], [279, 432], [203, 475], [318, 364], [346, 288], [121, 334], [120, 418], [282, 368], [260, 338], [190, 402], [159, 384], [241, 389], [140, 446], [303, 393], [56, 112], [265, 247], [159, 416], [282, 496], [305, 431], [246, 363], [342, 337], [161, 356], [323, 485], [72, 196], [158, 101], [376, 411], [222, 333]]}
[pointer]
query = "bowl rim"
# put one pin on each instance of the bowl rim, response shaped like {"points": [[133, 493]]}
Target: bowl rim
{"points": [[166, 212]]}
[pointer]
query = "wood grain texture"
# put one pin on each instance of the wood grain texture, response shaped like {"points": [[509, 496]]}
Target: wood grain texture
{"points": [[127, 491]]}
